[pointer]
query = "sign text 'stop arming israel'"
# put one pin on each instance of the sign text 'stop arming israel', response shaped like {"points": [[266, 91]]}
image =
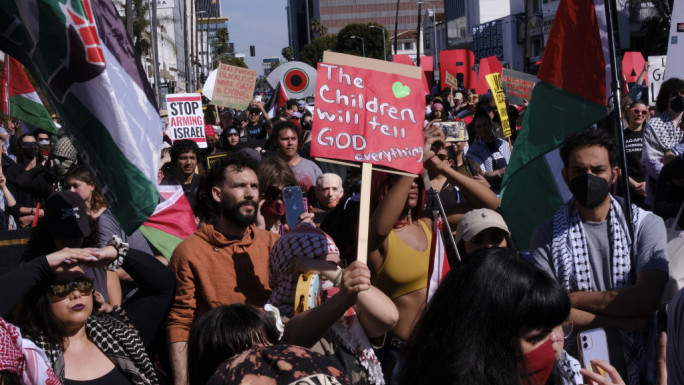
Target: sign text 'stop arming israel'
{"points": [[186, 118]]}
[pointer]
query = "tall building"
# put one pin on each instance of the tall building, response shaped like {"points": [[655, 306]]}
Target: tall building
{"points": [[336, 14]]}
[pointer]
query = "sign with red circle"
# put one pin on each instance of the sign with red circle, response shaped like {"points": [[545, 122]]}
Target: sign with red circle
{"points": [[296, 80]]}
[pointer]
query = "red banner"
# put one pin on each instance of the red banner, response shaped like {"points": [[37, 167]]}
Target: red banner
{"points": [[488, 65], [365, 115], [458, 61]]}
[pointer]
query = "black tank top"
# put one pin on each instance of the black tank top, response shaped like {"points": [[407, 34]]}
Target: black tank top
{"points": [[115, 377]]}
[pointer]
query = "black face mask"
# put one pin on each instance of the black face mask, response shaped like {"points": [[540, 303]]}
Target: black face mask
{"points": [[677, 104], [29, 152], [589, 190]]}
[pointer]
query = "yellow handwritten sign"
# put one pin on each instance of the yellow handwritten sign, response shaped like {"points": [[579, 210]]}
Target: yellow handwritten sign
{"points": [[234, 86], [494, 81]]}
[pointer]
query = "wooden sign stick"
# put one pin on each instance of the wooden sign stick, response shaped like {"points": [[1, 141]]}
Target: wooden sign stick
{"points": [[364, 212]]}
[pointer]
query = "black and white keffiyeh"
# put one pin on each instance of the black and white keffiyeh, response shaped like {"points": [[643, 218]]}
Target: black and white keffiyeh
{"points": [[660, 135], [118, 340], [573, 270]]}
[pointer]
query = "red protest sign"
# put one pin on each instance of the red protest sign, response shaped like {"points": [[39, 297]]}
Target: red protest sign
{"points": [[488, 65], [458, 62], [632, 65], [403, 59], [369, 111]]}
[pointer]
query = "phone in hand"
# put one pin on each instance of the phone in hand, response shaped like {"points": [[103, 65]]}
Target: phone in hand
{"points": [[294, 205], [257, 98], [593, 345], [454, 131]]}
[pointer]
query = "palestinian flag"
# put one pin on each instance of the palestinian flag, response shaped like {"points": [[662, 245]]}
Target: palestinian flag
{"points": [[171, 222], [19, 98], [570, 95], [83, 59], [278, 99]]}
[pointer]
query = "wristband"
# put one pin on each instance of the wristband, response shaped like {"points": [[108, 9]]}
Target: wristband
{"points": [[121, 249]]}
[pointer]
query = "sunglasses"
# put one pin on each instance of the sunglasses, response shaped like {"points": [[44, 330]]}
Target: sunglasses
{"points": [[637, 111], [273, 193], [61, 290]]}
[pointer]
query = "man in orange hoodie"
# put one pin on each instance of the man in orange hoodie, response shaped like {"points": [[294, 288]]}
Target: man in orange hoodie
{"points": [[224, 262]]}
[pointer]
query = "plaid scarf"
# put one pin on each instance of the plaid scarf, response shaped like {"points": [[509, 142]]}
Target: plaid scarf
{"points": [[118, 339], [573, 270]]}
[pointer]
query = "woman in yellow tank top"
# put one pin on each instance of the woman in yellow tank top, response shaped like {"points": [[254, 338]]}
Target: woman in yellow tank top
{"points": [[399, 244]]}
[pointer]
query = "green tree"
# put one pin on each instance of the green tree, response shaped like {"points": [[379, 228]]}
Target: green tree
{"points": [[288, 53], [275, 64], [221, 47], [312, 53], [317, 28], [234, 61], [372, 39]]}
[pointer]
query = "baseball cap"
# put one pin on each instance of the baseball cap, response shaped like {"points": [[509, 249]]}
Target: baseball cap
{"points": [[297, 115], [67, 216], [474, 221], [240, 115], [301, 103], [279, 364], [233, 131], [209, 130]]}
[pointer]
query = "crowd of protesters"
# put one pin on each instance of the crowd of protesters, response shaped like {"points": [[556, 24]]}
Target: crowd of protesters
{"points": [[90, 304]]}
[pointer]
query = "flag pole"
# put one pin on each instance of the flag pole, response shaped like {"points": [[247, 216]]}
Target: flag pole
{"points": [[616, 122]]}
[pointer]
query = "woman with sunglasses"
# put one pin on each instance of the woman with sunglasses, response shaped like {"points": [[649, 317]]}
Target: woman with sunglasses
{"points": [[274, 175], [57, 310], [637, 115]]}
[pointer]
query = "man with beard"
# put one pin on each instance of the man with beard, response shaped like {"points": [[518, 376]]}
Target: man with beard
{"points": [[586, 246], [225, 261]]}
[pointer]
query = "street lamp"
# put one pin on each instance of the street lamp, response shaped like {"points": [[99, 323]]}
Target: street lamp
{"points": [[384, 50], [435, 55], [363, 44]]}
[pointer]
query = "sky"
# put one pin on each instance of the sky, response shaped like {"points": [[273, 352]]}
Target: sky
{"points": [[261, 23]]}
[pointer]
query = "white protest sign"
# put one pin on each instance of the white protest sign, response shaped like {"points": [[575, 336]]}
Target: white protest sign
{"points": [[186, 118], [656, 75]]}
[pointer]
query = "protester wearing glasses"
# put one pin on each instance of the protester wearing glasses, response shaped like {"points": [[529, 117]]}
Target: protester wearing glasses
{"points": [[274, 175], [637, 115], [20, 179], [59, 310], [490, 152]]}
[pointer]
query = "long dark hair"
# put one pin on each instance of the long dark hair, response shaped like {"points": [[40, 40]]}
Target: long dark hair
{"points": [[35, 318], [470, 331], [222, 333]]}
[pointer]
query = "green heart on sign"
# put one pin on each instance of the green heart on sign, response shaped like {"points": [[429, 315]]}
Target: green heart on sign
{"points": [[400, 90]]}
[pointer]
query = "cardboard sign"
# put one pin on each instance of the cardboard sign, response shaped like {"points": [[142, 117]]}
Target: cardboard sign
{"points": [[451, 81], [494, 81], [234, 86], [632, 65], [459, 63], [366, 111], [517, 85], [488, 65], [657, 74], [186, 118]]}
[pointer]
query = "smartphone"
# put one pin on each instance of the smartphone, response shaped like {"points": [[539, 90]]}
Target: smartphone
{"points": [[593, 345], [294, 205], [257, 98], [454, 131]]}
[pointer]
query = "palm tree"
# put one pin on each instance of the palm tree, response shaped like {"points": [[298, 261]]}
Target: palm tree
{"points": [[288, 53], [317, 29]]}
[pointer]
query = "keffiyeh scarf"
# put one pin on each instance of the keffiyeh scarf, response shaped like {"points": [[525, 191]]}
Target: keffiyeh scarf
{"points": [[21, 356], [573, 270], [118, 340]]}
